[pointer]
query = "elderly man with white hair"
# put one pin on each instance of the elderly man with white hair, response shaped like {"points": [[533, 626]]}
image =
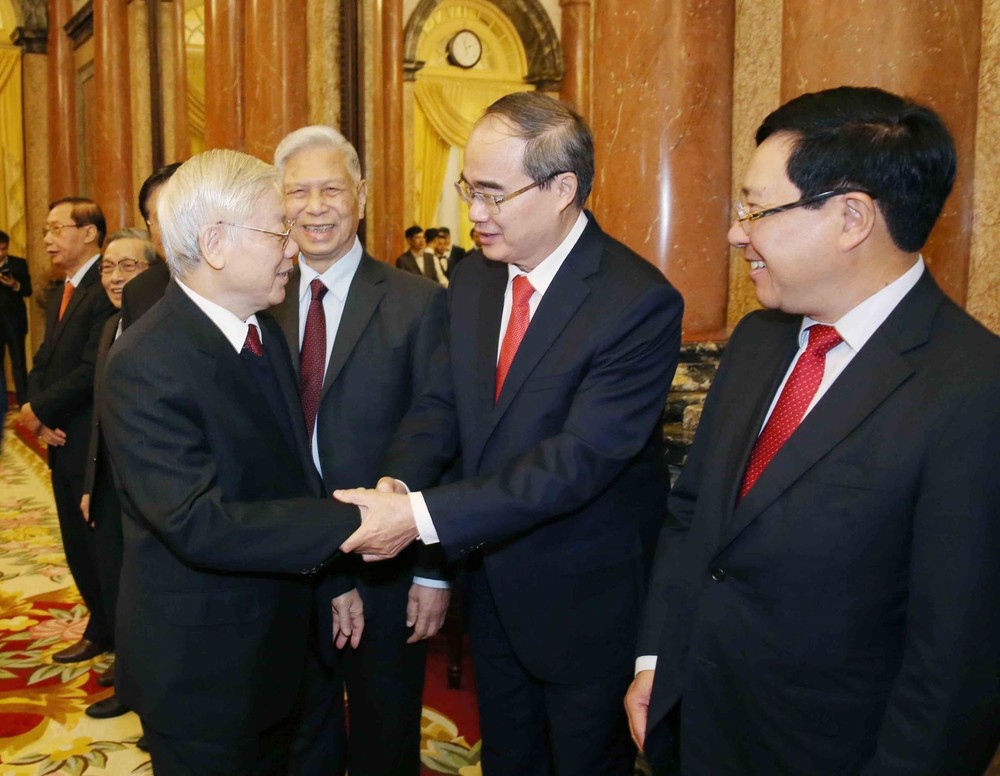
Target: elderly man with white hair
{"points": [[223, 516]]}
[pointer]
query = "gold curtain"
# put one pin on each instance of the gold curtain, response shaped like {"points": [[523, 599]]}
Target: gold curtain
{"points": [[12, 215], [431, 158]]}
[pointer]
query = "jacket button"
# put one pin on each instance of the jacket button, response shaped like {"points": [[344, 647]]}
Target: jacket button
{"points": [[718, 574]]}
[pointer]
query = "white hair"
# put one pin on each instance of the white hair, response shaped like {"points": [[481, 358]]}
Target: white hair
{"points": [[215, 186], [131, 233], [317, 136]]}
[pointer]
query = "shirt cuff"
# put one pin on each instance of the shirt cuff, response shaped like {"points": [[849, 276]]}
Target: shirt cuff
{"points": [[440, 584], [422, 517], [645, 663]]}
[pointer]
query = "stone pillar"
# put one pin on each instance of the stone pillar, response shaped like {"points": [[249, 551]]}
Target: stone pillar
{"points": [[926, 49], [173, 81], [577, 40], [391, 136], [223, 74], [112, 143], [274, 75], [662, 120], [63, 154], [143, 94]]}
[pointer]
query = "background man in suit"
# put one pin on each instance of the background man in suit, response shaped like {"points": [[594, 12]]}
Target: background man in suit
{"points": [[366, 345], [447, 254], [15, 287], [61, 394], [223, 515], [561, 446], [824, 598], [149, 288], [127, 254], [411, 260]]}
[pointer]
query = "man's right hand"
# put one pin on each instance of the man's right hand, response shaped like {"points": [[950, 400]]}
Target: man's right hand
{"points": [[85, 508], [637, 705]]}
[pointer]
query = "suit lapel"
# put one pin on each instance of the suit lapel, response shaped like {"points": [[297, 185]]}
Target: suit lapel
{"points": [[871, 377], [91, 276], [363, 298], [490, 313], [287, 316]]}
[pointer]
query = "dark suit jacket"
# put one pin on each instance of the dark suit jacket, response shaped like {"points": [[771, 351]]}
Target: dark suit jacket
{"points": [[12, 308], [98, 469], [392, 324], [224, 524], [842, 618], [61, 383], [143, 292], [408, 263], [455, 255], [565, 484]]}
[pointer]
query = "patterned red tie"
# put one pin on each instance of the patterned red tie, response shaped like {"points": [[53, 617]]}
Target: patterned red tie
{"points": [[252, 343], [313, 356], [790, 408], [520, 316]]}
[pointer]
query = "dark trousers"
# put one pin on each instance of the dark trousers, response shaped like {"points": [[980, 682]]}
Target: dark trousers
{"points": [[319, 743], [13, 343], [80, 547], [263, 754], [662, 745], [105, 511], [534, 727]]}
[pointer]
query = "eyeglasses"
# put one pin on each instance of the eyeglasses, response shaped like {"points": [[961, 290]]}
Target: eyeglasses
{"points": [[47, 230], [744, 214], [283, 236], [127, 266], [492, 202]]}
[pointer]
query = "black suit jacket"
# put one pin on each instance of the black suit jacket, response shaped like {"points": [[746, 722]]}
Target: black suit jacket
{"points": [[843, 617], [143, 292], [98, 469], [565, 484], [12, 307], [61, 383], [392, 324], [455, 254], [224, 524]]}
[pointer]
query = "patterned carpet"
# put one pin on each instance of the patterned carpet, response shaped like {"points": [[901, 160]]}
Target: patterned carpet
{"points": [[43, 729]]}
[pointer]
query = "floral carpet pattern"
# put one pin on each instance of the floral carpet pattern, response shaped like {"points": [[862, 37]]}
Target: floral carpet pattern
{"points": [[43, 728]]}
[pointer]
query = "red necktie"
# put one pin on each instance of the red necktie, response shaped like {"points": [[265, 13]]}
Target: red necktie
{"points": [[520, 316], [67, 295], [313, 357], [252, 342], [790, 408]]}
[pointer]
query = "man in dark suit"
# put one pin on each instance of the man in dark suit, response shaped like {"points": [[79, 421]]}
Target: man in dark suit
{"points": [[449, 255], [561, 446], [150, 287], [412, 259], [366, 345], [824, 597], [223, 516], [61, 394], [15, 287]]}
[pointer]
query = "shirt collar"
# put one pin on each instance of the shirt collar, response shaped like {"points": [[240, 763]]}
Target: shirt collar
{"points": [[337, 277], [78, 275], [858, 325], [541, 276], [232, 328]]}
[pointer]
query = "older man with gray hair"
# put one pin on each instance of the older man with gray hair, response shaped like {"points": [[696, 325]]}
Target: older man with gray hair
{"points": [[223, 517]]}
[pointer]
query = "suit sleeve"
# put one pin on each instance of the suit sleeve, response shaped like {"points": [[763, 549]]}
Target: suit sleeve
{"points": [[614, 409], [19, 270], [90, 473], [943, 714], [167, 473]]}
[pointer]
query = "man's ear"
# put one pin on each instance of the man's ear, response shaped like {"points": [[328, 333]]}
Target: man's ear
{"points": [[211, 242], [566, 185], [90, 234], [860, 216]]}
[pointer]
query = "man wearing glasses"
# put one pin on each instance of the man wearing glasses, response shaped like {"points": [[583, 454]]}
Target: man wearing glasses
{"points": [[61, 395], [223, 516], [824, 599], [562, 346]]}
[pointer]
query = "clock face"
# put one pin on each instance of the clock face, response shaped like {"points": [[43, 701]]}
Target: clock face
{"points": [[465, 49]]}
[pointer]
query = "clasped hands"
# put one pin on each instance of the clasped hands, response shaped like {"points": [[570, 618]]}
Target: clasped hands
{"points": [[387, 522]]}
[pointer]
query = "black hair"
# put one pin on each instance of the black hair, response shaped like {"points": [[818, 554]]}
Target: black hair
{"points": [[152, 183]]}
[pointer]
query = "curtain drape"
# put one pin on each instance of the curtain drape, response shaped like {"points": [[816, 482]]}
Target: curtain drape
{"points": [[12, 212]]}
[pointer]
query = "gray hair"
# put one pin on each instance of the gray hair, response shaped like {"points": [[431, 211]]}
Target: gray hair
{"points": [[556, 139], [317, 136], [215, 186], [130, 233]]}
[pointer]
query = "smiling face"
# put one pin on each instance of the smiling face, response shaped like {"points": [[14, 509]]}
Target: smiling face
{"points": [[126, 249], [326, 203]]}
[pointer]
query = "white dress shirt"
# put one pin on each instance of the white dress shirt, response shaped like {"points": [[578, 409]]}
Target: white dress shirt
{"points": [[232, 328]]}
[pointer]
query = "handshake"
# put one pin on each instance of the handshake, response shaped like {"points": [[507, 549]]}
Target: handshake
{"points": [[387, 522]]}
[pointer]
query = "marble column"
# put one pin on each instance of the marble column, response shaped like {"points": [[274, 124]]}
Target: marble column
{"points": [[662, 120], [142, 96], [925, 49], [173, 81], [577, 40], [391, 136], [63, 147], [223, 74], [274, 75], [113, 138]]}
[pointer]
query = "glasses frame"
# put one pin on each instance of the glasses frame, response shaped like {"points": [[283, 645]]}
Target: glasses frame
{"points": [[492, 202], [285, 236], [103, 265], [746, 216], [47, 230]]}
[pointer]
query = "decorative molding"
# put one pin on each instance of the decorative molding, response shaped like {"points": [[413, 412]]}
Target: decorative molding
{"points": [[32, 41], [80, 26]]}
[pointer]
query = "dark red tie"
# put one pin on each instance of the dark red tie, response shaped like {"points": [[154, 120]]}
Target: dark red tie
{"points": [[791, 406], [313, 356], [252, 343], [520, 316]]}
